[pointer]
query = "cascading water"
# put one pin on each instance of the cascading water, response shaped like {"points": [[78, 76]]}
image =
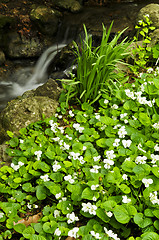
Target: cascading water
{"points": [[28, 78]]}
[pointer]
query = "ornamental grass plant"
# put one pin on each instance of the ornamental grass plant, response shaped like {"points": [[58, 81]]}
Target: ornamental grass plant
{"points": [[95, 66]]}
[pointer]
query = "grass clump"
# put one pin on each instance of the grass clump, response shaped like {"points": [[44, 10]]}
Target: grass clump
{"points": [[95, 71]]}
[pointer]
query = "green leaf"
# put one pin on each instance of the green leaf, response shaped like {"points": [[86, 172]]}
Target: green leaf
{"points": [[80, 118], [19, 227], [109, 205], [141, 221], [144, 119], [124, 188], [87, 193], [40, 192], [28, 232], [50, 227], [102, 215], [121, 214], [150, 236]]}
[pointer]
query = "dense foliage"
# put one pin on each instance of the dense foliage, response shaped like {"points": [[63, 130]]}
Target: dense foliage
{"points": [[88, 172]]}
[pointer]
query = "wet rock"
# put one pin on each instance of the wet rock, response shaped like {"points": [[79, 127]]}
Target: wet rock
{"points": [[21, 47], [21, 112], [3, 156], [69, 5], [46, 19], [154, 38], [2, 57], [49, 89], [153, 11], [5, 21]]}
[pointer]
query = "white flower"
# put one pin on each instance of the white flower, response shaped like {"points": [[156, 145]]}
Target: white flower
{"points": [[56, 213], [96, 158], [109, 214], [114, 106], [74, 155], [56, 166], [122, 115], [126, 143], [95, 169], [116, 142], [150, 70], [156, 125], [111, 234], [147, 182], [78, 127], [108, 163], [70, 138], [125, 177], [58, 195], [21, 140], [56, 139], [97, 116], [71, 113], [122, 132], [57, 232], [45, 178], [140, 148], [94, 187], [130, 94], [71, 218], [126, 199], [156, 147], [38, 154], [153, 198], [94, 199], [29, 206], [110, 154], [88, 207], [96, 235], [1, 214], [126, 121], [106, 101], [140, 160], [20, 164], [69, 179], [73, 232], [66, 146], [84, 148], [155, 158], [15, 167]]}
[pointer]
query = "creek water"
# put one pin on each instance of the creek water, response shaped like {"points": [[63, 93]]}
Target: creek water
{"points": [[28, 78]]}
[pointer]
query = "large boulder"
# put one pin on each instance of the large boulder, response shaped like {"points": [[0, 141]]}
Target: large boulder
{"points": [[68, 5], [153, 11], [29, 108], [21, 112], [18, 46], [46, 19]]}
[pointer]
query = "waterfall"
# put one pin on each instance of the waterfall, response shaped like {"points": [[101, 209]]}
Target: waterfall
{"points": [[38, 74]]}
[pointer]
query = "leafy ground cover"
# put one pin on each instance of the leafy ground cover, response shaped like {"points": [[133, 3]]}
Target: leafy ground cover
{"points": [[89, 172]]}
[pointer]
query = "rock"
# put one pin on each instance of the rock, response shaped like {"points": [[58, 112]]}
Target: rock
{"points": [[49, 89], [153, 11], [6, 21], [69, 5], [154, 38], [21, 112], [2, 57], [46, 19], [19, 46], [3, 156]]}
